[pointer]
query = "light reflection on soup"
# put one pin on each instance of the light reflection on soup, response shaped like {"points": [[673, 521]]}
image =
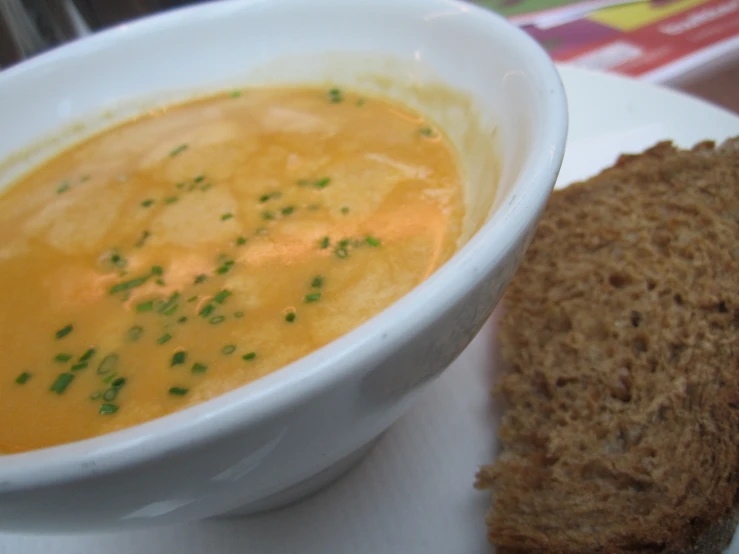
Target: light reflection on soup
{"points": [[195, 249]]}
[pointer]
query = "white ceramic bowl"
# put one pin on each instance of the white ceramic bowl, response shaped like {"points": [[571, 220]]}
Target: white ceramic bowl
{"points": [[491, 88]]}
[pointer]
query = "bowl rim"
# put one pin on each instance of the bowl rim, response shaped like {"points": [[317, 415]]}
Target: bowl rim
{"points": [[322, 368]]}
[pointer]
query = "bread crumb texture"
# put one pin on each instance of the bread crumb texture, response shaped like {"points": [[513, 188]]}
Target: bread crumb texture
{"points": [[621, 330]]}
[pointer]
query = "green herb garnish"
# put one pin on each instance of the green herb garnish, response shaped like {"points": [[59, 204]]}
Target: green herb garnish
{"points": [[148, 202], [157, 270], [178, 391], [287, 210], [290, 317], [87, 355], [107, 409], [62, 382], [179, 150], [142, 240], [199, 279], [206, 310], [110, 394], [220, 298], [178, 358], [128, 285], [166, 337], [313, 297], [135, 332], [372, 241], [215, 320], [335, 96], [23, 378], [317, 282], [62, 358], [341, 252], [236, 94], [108, 364], [64, 331], [145, 306], [199, 179], [325, 242], [226, 216], [345, 210], [79, 366], [228, 349], [241, 241], [426, 132], [322, 183], [249, 356], [64, 187], [199, 368]]}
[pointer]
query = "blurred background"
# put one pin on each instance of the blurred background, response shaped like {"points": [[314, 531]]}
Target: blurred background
{"points": [[692, 45]]}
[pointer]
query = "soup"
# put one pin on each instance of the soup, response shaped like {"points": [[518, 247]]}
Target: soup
{"points": [[183, 254]]}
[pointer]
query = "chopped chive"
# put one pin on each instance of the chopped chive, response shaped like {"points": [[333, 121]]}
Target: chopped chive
{"points": [[179, 150], [317, 282], [325, 241], [148, 202], [23, 378], [79, 366], [238, 314], [109, 378], [200, 278], [290, 317], [206, 310], [142, 240], [220, 298], [145, 306], [322, 183], [249, 356], [118, 383], [343, 243], [107, 409], [160, 282], [335, 96], [157, 270], [215, 320], [110, 394], [108, 364], [178, 391], [192, 298], [225, 268], [171, 310], [87, 355], [128, 285], [241, 241], [288, 210], [226, 216], [199, 178], [171, 199], [313, 297], [64, 187], [166, 337], [62, 382], [236, 94], [341, 252], [372, 241], [426, 132], [62, 358], [169, 304], [178, 358], [135, 332], [183, 319], [199, 368], [118, 261], [95, 396], [63, 332], [268, 215], [228, 349], [345, 210]]}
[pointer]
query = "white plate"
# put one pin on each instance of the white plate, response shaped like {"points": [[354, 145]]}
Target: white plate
{"points": [[413, 494]]}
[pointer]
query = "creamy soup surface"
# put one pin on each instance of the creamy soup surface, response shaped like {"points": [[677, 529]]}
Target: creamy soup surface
{"points": [[199, 247]]}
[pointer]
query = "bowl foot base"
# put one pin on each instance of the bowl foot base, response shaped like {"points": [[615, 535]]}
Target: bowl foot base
{"points": [[305, 488]]}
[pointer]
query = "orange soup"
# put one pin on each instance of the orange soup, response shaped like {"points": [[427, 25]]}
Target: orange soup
{"points": [[183, 254]]}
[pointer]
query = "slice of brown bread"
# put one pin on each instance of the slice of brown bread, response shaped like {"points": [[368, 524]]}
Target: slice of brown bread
{"points": [[621, 425]]}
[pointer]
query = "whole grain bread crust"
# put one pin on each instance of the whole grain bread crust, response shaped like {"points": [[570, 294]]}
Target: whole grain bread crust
{"points": [[621, 433]]}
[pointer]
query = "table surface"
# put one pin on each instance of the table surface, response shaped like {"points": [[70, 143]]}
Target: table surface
{"points": [[719, 86]]}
